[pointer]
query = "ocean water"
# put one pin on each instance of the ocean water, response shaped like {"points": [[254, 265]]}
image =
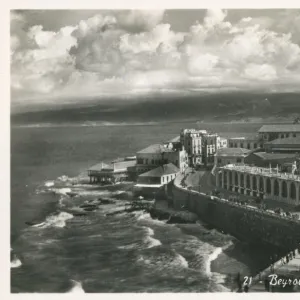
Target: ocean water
{"points": [[96, 253]]}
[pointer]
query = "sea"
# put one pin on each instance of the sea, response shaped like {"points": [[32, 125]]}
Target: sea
{"points": [[100, 253]]}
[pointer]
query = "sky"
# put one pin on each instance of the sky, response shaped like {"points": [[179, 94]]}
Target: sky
{"points": [[58, 55]]}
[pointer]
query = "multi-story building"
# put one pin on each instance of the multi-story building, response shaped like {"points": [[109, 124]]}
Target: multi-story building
{"points": [[201, 146], [279, 131], [157, 155], [209, 148], [191, 139]]}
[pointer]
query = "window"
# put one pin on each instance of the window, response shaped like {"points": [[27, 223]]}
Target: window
{"points": [[294, 134], [152, 161], [238, 160], [248, 146], [282, 136], [231, 145], [287, 135], [219, 160], [255, 146]]}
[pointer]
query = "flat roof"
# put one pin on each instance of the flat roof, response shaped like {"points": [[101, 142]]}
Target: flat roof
{"points": [[232, 152], [280, 128], [261, 171]]}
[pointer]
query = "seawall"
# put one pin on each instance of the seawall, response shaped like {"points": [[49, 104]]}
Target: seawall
{"points": [[241, 221]]}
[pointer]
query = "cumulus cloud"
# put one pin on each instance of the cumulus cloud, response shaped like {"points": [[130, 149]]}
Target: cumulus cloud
{"points": [[129, 52]]}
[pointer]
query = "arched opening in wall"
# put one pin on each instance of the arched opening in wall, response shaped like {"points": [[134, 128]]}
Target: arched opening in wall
{"points": [[254, 183], [293, 191], [261, 185], [225, 179], [276, 187], [220, 178], [284, 189], [248, 184], [236, 181], [229, 179], [242, 180], [268, 186], [248, 181]]}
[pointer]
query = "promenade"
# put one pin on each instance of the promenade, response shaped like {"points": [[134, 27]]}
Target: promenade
{"points": [[203, 181]]}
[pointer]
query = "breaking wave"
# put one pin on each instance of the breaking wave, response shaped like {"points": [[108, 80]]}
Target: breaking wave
{"points": [[76, 288], [16, 262], [58, 220], [149, 240], [49, 183]]}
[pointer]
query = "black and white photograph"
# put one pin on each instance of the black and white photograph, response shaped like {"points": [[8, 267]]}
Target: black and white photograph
{"points": [[154, 150]]}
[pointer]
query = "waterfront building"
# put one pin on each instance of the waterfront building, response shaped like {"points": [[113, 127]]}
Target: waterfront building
{"points": [[156, 155], [284, 145], [249, 143], [154, 182], [112, 172], [260, 182], [225, 156], [279, 131]]}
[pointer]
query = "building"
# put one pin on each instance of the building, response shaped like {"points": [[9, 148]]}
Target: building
{"points": [[153, 181], [284, 145], [279, 131], [225, 156], [156, 155], [112, 172], [191, 139], [158, 176], [260, 182], [209, 148], [265, 159], [249, 143], [222, 142], [201, 146]]}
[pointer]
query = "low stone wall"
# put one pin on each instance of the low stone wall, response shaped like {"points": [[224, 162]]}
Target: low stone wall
{"points": [[243, 222]]}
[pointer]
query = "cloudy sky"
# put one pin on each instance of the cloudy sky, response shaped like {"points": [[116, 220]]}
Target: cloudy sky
{"points": [[63, 54]]}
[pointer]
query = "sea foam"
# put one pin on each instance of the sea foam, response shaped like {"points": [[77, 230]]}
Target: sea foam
{"points": [[16, 262], [76, 288], [149, 240], [56, 220]]}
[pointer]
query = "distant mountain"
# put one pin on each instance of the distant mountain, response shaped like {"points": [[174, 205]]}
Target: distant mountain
{"points": [[213, 107]]}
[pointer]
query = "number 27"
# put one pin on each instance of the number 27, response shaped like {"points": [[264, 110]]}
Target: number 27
{"points": [[246, 278]]}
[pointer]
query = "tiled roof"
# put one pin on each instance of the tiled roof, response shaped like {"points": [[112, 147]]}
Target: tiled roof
{"points": [[161, 170], [285, 141], [274, 156], [156, 148], [280, 128], [232, 152]]}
